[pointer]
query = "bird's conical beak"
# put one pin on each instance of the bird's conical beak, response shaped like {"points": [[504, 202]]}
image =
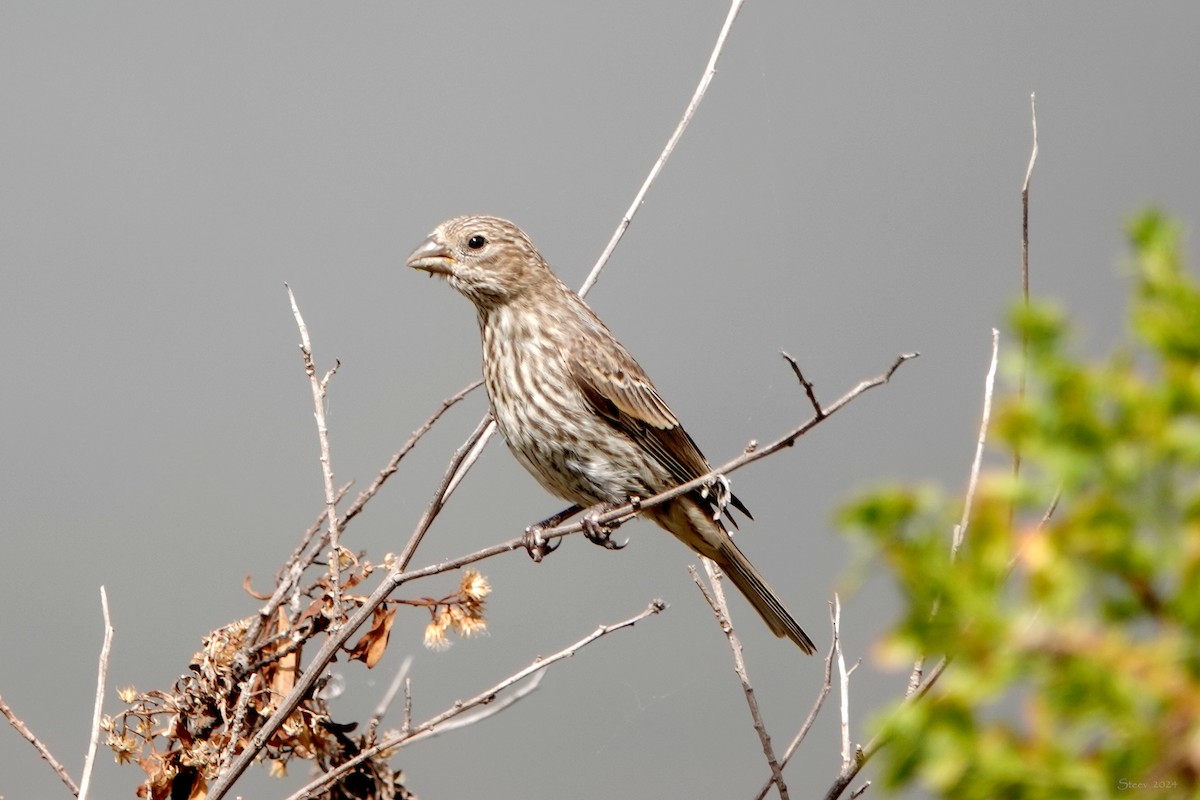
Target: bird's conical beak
{"points": [[432, 256]]}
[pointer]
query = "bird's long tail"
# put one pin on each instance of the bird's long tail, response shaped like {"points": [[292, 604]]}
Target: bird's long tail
{"points": [[692, 524]]}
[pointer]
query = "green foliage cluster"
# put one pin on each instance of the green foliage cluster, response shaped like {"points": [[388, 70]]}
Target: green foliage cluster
{"points": [[1074, 640]]}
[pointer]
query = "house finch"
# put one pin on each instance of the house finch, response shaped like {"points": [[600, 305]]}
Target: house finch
{"points": [[577, 410]]}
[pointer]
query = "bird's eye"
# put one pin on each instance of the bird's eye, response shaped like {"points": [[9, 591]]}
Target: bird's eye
{"points": [[476, 242]]}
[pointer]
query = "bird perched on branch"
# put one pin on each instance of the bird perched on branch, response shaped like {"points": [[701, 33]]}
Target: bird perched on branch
{"points": [[576, 409]]}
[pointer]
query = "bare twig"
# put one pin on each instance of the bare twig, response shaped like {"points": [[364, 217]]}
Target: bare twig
{"points": [[709, 71], [960, 530], [716, 601], [237, 724], [867, 753], [452, 476], [43, 751], [490, 710], [1050, 509], [818, 702], [407, 726], [989, 383], [295, 559], [843, 682], [319, 387], [479, 441], [914, 677], [394, 463], [386, 702], [808, 387], [98, 710], [1033, 154], [1025, 201], [487, 696]]}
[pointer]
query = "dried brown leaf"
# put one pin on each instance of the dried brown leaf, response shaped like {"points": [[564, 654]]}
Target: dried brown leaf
{"points": [[373, 643]]}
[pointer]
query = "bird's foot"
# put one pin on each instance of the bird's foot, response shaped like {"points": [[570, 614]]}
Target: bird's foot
{"points": [[598, 533], [722, 493], [539, 546]]}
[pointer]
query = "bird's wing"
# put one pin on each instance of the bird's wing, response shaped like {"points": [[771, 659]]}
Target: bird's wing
{"points": [[615, 385]]}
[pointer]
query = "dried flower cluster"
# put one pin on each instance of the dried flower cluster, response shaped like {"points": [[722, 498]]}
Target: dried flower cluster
{"points": [[183, 738], [462, 612]]}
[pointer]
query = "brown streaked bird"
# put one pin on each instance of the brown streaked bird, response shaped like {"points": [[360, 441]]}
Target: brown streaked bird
{"points": [[576, 409]]}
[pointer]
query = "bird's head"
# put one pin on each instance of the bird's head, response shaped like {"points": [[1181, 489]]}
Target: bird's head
{"points": [[488, 259]]}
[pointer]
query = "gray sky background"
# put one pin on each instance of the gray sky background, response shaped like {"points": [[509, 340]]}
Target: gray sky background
{"points": [[849, 190]]}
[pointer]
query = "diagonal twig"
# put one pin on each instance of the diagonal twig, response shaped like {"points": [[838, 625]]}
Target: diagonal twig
{"points": [[426, 728], [319, 387], [989, 383], [960, 529], [716, 601], [1033, 154], [709, 71], [818, 702], [20, 727], [98, 710], [866, 753]]}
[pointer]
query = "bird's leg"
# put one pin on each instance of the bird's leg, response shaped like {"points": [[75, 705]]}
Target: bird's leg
{"points": [[539, 547], [597, 533]]}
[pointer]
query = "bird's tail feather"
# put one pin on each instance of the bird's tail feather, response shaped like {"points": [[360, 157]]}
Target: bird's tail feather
{"points": [[695, 528]]}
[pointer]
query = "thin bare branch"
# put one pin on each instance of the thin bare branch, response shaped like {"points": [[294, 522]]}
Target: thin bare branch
{"points": [[21, 728], [451, 478], [386, 702], [989, 383], [480, 441], [865, 754], [522, 691], [98, 709], [319, 387], [237, 724], [43, 751], [1050, 509], [407, 726], [315, 528], [960, 529], [720, 609], [1033, 154], [484, 697], [1025, 201], [808, 387], [818, 702], [394, 463], [709, 71], [843, 682]]}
